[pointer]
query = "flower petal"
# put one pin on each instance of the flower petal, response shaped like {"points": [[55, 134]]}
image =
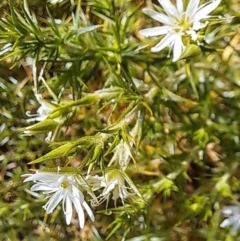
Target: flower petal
{"points": [[155, 31], [166, 41], [116, 193], [177, 47], [78, 194], [180, 6], [54, 201], [41, 177], [79, 209], [67, 208], [225, 223], [159, 17], [192, 8], [89, 211], [109, 187], [230, 210], [204, 11], [169, 8], [44, 187]]}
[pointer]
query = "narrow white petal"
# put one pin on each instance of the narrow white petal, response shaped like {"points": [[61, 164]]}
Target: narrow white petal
{"points": [[155, 31], [125, 193], [79, 210], [169, 8], [43, 187], [180, 6], [78, 194], [89, 211], [204, 11], [225, 223], [177, 48], [110, 186], [166, 41], [229, 210], [230, 221], [116, 193], [192, 8], [67, 208], [42, 177], [159, 17], [53, 201]]}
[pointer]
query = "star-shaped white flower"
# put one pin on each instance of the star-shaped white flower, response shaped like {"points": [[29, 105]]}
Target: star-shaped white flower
{"points": [[61, 187], [178, 22], [232, 212]]}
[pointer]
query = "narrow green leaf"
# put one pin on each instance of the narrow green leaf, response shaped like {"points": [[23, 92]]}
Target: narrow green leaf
{"points": [[40, 127], [115, 142], [176, 98], [114, 230], [131, 184], [59, 152]]}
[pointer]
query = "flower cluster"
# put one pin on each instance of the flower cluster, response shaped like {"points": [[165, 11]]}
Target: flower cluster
{"points": [[67, 188]]}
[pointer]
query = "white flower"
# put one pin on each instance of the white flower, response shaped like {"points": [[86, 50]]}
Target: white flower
{"points": [[178, 22], [122, 152], [61, 187], [232, 213], [43, 111], [113, 184], [43, 116]]}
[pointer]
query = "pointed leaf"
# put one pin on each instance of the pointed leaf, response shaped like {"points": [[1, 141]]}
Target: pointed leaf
{"points": [[177, 98], [97, 152], [61, 151], [131, 184], [115, 142], [41, 127], [114, 230]]}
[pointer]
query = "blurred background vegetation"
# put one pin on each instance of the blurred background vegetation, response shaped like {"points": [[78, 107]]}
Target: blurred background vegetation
{"points": [[188, 156]]}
